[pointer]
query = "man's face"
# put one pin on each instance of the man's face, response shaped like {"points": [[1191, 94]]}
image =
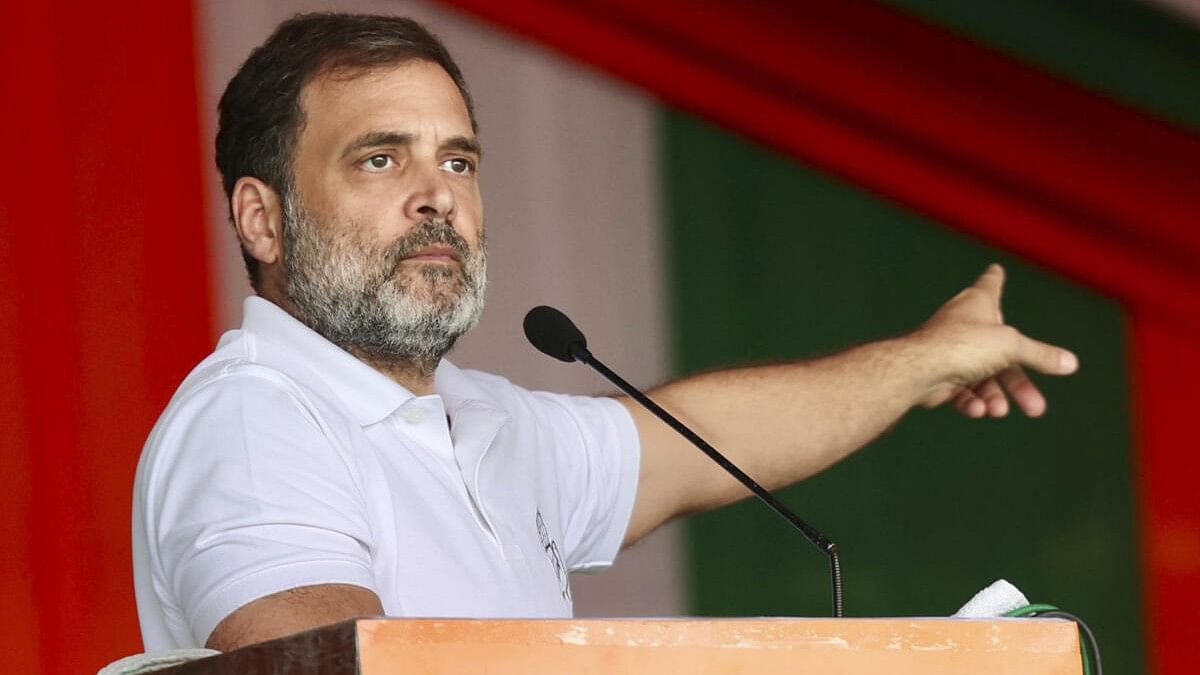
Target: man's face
{"points": [[383, 233]]}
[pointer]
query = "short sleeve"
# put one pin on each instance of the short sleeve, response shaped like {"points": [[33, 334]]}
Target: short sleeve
{"points": [[248, 493], [597, 453]]}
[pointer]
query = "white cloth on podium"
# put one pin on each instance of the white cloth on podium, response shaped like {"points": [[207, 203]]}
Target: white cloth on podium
{"points": [[138, 664], [996, 600]]}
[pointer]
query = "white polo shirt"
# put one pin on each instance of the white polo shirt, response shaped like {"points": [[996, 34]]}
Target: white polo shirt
{"points": [[283, 461]]}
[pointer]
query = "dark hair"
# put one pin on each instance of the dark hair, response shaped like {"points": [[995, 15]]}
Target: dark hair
{"points": [[260, 112]]}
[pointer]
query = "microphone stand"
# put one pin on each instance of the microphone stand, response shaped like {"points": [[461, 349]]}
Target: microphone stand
{"points": [[580, 353]]}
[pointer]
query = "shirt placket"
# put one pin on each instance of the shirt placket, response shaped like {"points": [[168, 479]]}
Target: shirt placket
{"points": [[424, 420], [474, 432]]}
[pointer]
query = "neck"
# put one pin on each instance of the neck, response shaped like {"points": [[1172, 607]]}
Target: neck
{"points": [[415, 376]]}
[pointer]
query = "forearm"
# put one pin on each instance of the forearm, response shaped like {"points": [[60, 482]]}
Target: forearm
{"points": [[784, 423], [779, 423]]}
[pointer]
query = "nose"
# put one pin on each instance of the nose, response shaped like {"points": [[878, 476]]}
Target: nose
{"points": [[431, 197]]}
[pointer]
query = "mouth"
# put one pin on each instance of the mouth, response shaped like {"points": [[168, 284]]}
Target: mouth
{"points": [[443, 255]]}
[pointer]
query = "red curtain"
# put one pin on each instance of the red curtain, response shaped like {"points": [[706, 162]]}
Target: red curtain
{"points": [[104, 286], [1095, 190]]}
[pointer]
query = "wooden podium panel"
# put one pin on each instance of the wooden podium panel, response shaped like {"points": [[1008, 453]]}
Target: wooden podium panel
{"points": [[662, 646]]}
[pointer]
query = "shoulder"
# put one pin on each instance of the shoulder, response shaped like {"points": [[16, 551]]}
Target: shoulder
{"points": [[234, 412], [250, 377], [232, 389]]}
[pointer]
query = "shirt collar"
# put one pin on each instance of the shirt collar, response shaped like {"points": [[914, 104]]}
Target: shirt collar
{"points": [[370, 396]]}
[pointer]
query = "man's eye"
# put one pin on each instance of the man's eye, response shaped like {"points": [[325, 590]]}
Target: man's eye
{"points": [[459, 166], [380, 162]]}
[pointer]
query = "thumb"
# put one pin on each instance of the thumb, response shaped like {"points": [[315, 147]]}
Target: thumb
{"points": [[992, 282]]}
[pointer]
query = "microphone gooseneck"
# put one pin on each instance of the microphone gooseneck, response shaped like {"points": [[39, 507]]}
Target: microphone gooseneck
{"points": [[553, 334]]}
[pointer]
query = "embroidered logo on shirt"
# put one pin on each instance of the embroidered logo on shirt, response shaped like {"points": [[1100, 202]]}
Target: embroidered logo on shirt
{"points": [[551, 548]]}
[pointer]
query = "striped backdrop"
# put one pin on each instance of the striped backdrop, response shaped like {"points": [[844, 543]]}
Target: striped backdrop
{"points": [[697, 186]]}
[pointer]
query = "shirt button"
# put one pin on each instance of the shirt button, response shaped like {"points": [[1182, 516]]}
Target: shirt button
{"points": [[413, 415]]}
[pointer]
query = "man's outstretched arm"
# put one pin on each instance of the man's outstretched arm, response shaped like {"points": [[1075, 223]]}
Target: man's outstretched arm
{"points": [[784, 423]]}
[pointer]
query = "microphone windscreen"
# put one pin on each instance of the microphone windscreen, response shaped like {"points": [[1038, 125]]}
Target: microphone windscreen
{"points": [[552, 333]]}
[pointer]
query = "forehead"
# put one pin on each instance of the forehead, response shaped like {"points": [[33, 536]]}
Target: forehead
{"points": [[417, 97]]}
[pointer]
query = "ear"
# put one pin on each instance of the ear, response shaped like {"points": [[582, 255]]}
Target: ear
{"points": [[258, 219]]}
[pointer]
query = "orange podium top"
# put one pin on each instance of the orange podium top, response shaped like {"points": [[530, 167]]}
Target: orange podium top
{"points": [[760, 646], [663, 646]]}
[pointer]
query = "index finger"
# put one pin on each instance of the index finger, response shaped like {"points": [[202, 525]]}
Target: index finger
{"points": [[1046, 358]]}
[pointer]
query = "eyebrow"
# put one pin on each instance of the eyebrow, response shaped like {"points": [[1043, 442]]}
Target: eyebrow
{"points": [[376, 139], [464, 144]]}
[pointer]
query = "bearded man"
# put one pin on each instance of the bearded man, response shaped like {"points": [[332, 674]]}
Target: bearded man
{"points": [[326, 462]]}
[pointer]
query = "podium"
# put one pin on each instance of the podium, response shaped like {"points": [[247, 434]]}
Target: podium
{"points": [[661, 646]]}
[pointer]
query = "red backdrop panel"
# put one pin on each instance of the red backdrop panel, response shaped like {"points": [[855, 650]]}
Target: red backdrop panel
{"points": [[1166, 373], [106, 283]]}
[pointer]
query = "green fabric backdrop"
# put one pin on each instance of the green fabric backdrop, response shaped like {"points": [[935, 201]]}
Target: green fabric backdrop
{"points": [[771, 260]]}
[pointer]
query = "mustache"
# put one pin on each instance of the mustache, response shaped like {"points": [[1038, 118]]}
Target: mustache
{"points": [[428, 233]]}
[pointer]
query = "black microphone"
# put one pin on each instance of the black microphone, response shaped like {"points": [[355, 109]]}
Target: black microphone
{"points": [[553, 334]]}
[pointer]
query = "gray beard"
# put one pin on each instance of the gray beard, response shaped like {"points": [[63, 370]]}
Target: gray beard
{"points": [[356, 295]]}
